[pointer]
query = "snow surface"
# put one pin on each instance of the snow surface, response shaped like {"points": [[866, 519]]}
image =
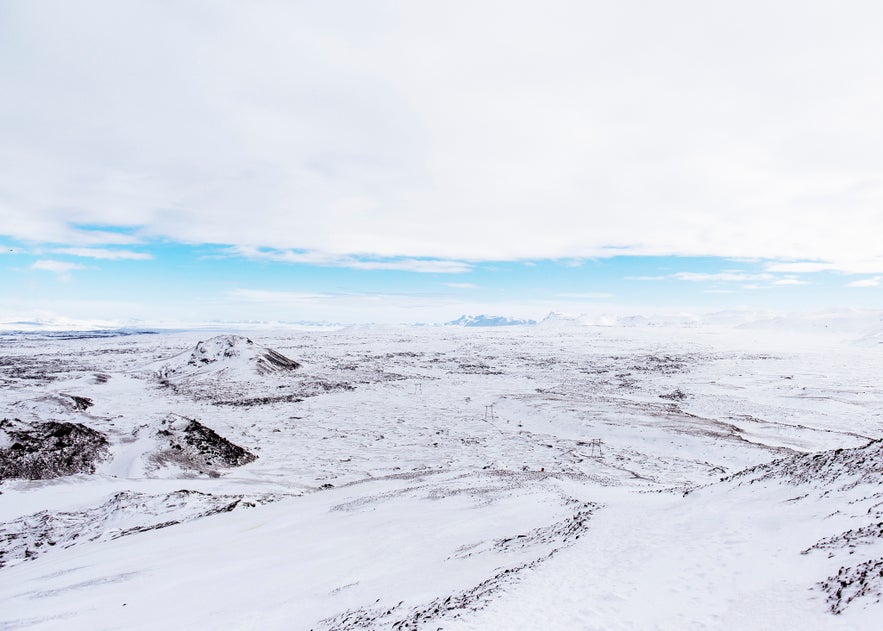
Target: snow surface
{"points": [[558, 476]]}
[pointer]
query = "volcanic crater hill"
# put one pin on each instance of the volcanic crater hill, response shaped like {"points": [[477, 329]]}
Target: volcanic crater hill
{"points": [[229, 369], [232, 370], [51, 449], [232, 355]]}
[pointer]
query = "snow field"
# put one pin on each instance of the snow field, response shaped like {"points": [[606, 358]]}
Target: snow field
{"points": [[426, 478]]}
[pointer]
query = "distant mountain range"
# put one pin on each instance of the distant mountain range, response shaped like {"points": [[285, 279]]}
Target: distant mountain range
{"points": [[486, 320]]}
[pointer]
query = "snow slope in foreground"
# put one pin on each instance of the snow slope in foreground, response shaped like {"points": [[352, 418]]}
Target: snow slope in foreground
{"points": [[446, 478]]}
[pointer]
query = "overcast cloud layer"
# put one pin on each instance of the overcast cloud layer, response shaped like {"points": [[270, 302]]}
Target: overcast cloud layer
{"points": [[457, 130]]}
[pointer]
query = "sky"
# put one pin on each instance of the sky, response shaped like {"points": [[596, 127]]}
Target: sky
{"points": [[189, 161]]}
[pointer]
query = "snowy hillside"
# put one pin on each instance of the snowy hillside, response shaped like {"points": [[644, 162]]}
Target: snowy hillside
{"points": [[553, 477]]}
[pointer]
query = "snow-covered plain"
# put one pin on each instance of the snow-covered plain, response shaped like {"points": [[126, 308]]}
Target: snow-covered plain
{"points": [[441, 477]]}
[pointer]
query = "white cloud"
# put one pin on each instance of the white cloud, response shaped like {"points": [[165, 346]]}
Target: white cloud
{"points": [[720, 277], [423, 266], [623, 128], [866, 282], [261, 295], [790, 281], [848, 266], [588, 295], [61, 268], [750, 281], [104, 253], [429, 266], [715, 277], [803, 267]]}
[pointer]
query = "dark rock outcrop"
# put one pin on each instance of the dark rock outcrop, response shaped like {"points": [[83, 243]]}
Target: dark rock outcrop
{"points": [[192, 445], [40, 451]]}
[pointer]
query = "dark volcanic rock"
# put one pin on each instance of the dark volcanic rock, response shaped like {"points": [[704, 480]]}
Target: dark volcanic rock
{"points": [[81, 403], [215, 448], [677, 395], [253, 401], [41, 451], [193, 445]]}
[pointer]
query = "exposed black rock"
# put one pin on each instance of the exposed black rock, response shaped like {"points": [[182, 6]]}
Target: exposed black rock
{"points": [[193, 445], [215, 448], [253, 401], [81, 403], [41, 451], [35, 369], [677, 395]]}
